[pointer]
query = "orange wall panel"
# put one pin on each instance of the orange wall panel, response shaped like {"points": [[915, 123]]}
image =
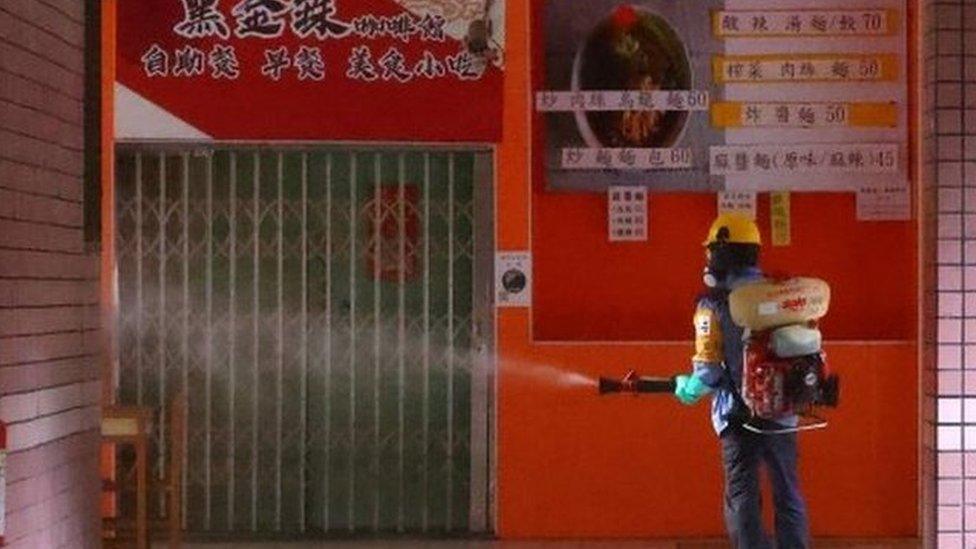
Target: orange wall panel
{"points": [[576, 464], [646, 290], [572, 464]]}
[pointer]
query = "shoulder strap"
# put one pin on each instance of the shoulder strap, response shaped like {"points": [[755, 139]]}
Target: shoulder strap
{"points": [[740, 413]]}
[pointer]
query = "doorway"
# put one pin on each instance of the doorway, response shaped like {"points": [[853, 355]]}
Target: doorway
{"points": [[327, 311]]}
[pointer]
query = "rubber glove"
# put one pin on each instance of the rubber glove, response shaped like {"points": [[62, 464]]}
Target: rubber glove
{"points": [[689, 389]]}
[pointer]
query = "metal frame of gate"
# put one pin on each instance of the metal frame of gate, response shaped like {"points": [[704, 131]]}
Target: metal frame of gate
{"points": [[174, 347]]}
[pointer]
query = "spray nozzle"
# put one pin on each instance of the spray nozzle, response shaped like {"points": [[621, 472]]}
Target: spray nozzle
{"points": [[633, 383], [623, 385]]}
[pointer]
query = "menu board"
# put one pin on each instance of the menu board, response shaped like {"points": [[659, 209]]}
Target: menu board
{"points": [[712, 95]]}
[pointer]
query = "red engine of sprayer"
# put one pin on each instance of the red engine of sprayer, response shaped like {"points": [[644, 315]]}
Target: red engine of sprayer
{"points": [[775, 387]]}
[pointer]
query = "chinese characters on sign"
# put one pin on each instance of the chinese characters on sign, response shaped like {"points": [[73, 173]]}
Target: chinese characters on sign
{"points": [[317, 17], [318, 70], [805, 68], [884, 203], [793, 115], [613, 100], [779, 217], [307, 19], [189, 61], [627, 214], [276, 62], [202, 18], [803, 23], [803, 115], [626, 159], [755, 96], [741, 202], [260, 18], [403, 27], [788, 159], [308, 64]]}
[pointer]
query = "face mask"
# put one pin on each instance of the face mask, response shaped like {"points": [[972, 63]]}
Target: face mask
{"points": [[721, 259], [714, 269]]}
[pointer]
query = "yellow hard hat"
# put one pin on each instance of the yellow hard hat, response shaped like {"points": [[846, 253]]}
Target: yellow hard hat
{"points": [[733, 228]]}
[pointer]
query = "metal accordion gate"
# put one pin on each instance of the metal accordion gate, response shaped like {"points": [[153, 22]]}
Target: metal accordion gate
{"points": [[327, 311]]}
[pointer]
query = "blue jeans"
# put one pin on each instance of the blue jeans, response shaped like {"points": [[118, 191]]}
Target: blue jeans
{"points": [[742, 454]]}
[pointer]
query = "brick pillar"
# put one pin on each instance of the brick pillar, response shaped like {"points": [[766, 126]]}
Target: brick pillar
{"points": [[49, 318]]}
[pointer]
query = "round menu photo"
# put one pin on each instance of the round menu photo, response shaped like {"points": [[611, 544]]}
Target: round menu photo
{"points": [[632, 49]]}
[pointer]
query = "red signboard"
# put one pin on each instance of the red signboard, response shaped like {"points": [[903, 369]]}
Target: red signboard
{"points": [[390, 70]]}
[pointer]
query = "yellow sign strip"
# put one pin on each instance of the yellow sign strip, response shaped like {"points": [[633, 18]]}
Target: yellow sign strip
{"points": [[803, 115], [804, 68], [727, 115], [779, 217], [864, 115]]}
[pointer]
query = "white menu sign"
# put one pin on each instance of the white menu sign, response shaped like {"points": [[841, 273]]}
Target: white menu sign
{"points": [[743, 202], [884, 203], [627, 214]]}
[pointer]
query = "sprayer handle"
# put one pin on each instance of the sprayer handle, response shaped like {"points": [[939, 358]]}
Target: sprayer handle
{"points": [[656, 385]]}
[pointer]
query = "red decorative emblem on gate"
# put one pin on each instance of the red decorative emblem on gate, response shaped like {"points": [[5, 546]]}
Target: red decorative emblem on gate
{"points": [[385, 223]]}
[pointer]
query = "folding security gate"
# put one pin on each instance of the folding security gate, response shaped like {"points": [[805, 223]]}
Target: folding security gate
{"points": [[327, 312]]}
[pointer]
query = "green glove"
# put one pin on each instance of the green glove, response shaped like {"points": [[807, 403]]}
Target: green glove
{"points": [[689, 389]]}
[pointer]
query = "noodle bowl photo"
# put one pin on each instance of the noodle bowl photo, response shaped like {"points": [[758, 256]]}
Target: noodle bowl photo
{"points": [[635, 50]]}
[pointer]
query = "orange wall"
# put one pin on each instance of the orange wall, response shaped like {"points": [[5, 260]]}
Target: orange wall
{"points": [[571, 464], [644, 291]]}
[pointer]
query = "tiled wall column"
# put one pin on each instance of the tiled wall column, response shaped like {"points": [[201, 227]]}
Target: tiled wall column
{"points": [[949, 140]]}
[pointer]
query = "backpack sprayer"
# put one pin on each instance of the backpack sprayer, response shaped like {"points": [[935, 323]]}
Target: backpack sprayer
{"points": [[784, 368]]}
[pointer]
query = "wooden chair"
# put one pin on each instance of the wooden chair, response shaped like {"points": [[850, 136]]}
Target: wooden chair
{"points": [[173, 483], [134, 426], [129, 425]]}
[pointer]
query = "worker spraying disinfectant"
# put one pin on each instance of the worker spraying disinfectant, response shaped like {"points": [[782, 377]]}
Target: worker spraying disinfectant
{"points": [[758, 352]]}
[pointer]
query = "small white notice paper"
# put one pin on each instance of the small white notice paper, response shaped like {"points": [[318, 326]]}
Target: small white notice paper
{"points": [[884, 203], [740, 202], [627, 214], [513, 279]]}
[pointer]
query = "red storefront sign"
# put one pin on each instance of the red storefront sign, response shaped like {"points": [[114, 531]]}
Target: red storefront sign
{"points": [[391, 70]]}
